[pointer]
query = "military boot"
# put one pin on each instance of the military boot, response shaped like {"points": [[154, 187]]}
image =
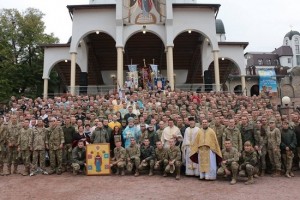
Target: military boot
{"points": [[75, 172], [117, 172], [249, 181], [262, 173], [233, 180], [1, 170], [151, 172], [122, 172], [8, 169], [15, 171], [26, 171], [136, 173], [276, 173], [178, 173]]}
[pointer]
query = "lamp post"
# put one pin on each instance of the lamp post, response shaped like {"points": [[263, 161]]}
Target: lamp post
{"points": [[286, 101]]}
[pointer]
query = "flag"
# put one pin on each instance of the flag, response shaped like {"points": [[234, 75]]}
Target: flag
{"points": [[154, 69], [132, 68]]}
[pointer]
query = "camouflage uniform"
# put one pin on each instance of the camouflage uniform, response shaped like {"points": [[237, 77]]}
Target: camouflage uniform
{"points": [[13, 131], [100, 135], [55, 139], [247, 133], [133, 157], [69, 133], [3, 133], [78, 159], [219, 130], [147, 155], [248, 165], [159, 133], [25, 147], [232, 158], [119, 160], [262, 139], [173, 154], [39, 143], [160, 159], [288, 139], [234, 136], [274, 140]]}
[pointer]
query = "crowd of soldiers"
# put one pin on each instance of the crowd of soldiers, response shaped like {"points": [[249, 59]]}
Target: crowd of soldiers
{"points": [[151, 130]]}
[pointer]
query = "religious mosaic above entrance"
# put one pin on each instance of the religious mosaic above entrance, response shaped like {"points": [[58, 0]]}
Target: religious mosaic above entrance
{"points": [[144, 11]]}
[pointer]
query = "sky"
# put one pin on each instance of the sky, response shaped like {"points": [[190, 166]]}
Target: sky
{"points": [[262, 23]]}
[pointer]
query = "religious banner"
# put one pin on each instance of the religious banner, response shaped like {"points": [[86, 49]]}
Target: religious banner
{"points": [[154, 69], [98, 159], [144, 11], [267, 82], [132, 68]]}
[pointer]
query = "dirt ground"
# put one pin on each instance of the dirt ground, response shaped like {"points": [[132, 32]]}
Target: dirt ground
{"points": [[67, 186]]}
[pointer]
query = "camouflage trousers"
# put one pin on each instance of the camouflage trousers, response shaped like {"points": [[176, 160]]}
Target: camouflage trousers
{"points": [[160, 164], [77, 166], [38, 158], [12, 156], [287, 159], [67, 154], [275, 158], [148, 163], [263, 154], [2, 158], [233, 168], [56, 159], [25, 157], [133, 162], [120, 165], [171, 168], [248, 169]]}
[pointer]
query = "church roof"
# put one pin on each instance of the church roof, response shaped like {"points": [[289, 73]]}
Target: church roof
{"points": [[220, 28], [291, 34], [284, 51]]}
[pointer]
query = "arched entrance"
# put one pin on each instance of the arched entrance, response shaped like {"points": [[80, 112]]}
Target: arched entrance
{"points": [[60, 77], [254, 90], [144, 49], [188, 55], [238, 90], [226, 67]]}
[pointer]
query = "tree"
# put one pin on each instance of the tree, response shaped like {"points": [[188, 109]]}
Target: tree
{"points": [[21, 57]]}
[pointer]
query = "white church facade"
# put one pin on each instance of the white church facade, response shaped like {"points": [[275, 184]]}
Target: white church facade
{"points": [[183, 37]]}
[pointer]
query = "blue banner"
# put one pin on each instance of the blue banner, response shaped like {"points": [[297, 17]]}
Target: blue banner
{"points": [[267, 82]]}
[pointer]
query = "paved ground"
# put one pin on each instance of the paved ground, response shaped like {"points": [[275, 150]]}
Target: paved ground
{"points": [[67, 186]]}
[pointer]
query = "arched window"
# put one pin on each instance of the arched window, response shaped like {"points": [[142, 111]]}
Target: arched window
{"points": [[296, 41]]}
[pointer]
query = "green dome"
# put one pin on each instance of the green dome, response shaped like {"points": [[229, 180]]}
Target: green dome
{"points": [[220, 29], [291, 34]]}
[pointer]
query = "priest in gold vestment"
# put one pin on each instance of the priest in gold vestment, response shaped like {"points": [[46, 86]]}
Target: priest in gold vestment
{"points": [[205, 151]]}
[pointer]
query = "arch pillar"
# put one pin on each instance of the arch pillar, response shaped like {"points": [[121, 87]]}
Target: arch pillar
{"points": [[120, 72], [170, 66], [73, 73], [217, 70], [45, 95]]}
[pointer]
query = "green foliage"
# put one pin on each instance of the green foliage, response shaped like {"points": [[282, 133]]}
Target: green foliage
{"points": [[21, 57]]}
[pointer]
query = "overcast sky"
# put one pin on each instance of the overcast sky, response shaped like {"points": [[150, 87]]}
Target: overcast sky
{"points": [[262, 23]]}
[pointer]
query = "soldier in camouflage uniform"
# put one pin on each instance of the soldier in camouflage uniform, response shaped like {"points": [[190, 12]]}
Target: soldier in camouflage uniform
{"points": [[13, 131], [287, 146], [55, 141], [160, 130], [3, 133], [39, 144], [133, 156], [78, 157], [160, 157], [174, 159], [229, 164], [219, 130], [248, 163], [69, 133], [25, 146], [120, 158], [147, 156], [232, 133], [274, 140], [262, 139]]}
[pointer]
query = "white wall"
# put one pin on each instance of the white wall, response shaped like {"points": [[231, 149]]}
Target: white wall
{"points": [[284, 61]]}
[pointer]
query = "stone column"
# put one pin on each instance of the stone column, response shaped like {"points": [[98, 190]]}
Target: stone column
{"points": [[73, 73], [170, 67], [120, 81], [45, 88], [243, 80], [217, 70]]}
